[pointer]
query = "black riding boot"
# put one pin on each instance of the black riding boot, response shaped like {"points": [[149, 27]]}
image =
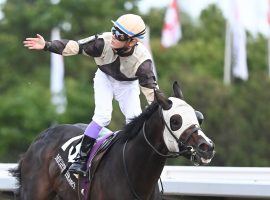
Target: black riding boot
{"points": [[79, 165]]}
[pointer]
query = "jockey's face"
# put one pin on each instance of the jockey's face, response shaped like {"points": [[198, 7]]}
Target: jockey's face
{"points": [[116, 44]]}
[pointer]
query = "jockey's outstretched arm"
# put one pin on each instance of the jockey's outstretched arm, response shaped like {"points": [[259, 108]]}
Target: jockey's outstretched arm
{"points": [[90, 46]]}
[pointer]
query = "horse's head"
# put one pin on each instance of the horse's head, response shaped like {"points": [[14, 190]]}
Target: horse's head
{"points": [[182, 133]]}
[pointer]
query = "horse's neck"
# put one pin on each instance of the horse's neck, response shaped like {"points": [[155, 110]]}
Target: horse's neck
{"points": [[143, 158]]}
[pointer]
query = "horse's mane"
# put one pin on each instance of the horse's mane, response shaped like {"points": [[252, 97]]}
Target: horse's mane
{"points": [[130, 130]]}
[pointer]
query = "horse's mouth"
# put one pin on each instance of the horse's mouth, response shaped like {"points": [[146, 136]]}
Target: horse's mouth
{"points": [[207, 159], [199, 158]]}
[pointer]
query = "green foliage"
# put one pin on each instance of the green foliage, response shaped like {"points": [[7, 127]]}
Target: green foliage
{"points": [[236, 116], [24, 112]]}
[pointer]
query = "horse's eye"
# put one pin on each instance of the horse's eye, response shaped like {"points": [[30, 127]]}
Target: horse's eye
{"points": [[176, 122]]}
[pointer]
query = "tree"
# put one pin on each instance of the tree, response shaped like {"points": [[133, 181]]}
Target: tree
{"points": [[236, 116], [25, 74]]}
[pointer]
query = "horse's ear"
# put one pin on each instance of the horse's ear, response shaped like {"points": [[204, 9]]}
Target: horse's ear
{"points": [[177, 90], [163, 101], [199, 116]]}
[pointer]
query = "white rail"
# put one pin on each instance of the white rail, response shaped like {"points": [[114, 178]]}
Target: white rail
{"points": [[7, 182], [195, 181], [217, 181]]}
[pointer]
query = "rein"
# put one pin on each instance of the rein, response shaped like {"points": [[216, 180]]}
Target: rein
{"points": [[126, 172], [182, 145]]}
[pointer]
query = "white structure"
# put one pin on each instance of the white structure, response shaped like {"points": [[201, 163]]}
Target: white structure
{"points": [[217, 181], [7, 182]]}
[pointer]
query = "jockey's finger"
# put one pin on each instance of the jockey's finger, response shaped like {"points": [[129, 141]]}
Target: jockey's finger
{"points": [[27, 42], [33, 39], [39, 36], [29, 39], [28, 45], [31, 48]]}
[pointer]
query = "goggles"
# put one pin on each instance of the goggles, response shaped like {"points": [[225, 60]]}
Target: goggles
{"points": [[119, 35]]}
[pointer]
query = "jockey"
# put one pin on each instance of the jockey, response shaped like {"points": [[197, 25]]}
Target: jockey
{"points": [[123, 64]]}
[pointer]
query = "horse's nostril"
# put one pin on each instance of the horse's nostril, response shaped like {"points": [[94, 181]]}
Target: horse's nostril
{"points": [[204, 147]]}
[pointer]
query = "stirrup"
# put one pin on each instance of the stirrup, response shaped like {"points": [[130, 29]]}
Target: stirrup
{"points": [[78, 169]]}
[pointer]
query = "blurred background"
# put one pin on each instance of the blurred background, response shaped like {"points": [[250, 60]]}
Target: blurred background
{"points": [[217, 50]]}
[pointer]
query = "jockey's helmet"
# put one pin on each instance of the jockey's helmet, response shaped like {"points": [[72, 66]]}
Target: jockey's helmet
{"points": [[129, 26]]}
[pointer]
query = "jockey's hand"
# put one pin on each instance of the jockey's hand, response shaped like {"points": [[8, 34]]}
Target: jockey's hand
{"points": [[37, 43]]}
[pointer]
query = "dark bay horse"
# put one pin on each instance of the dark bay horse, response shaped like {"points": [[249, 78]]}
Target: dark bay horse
{"points": [[130, 169]]}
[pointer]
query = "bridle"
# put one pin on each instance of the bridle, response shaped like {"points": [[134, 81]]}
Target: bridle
{"points": [[183, 148]]}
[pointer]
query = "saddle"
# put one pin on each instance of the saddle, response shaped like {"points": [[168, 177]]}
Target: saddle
{"points": [[95, 158]]}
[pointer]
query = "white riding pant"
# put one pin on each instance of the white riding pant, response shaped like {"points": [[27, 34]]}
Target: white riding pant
{"points": [[125, 92]]}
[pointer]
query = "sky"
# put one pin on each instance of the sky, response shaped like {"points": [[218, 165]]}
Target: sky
{"points": [[253, 13]]}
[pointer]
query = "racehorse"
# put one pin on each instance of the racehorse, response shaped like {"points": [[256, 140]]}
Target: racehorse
{"points": [[131, 167]]}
